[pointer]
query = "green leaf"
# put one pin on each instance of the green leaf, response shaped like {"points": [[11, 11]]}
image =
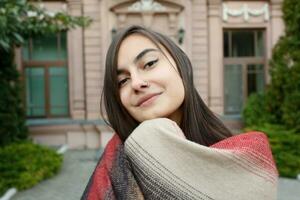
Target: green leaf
{"points": [[19, 38], [4, 45]]}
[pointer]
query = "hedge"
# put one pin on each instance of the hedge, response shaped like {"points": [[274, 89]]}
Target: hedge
{"points": [[24, 164], [285, 145]]}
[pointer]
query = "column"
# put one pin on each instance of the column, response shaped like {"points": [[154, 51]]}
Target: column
{"points": [[215, 35], [75, 62], [277, 24]]}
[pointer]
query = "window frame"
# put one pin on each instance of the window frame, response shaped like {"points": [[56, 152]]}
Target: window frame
{"points": [[45, 65], [244, 61]]}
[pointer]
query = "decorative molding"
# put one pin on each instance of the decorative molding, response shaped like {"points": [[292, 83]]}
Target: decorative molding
{"points": [[146, 5], [246, 12]]}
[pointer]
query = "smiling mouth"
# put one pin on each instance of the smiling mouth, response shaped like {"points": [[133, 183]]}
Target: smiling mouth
{"points": [[148, 101]]}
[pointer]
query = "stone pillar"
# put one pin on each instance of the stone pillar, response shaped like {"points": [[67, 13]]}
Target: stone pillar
{"points": [[215, 35], [277, 24], [75, 62], [93, 58], [199, 51]]}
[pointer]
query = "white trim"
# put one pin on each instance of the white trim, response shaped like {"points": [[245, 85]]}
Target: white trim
{"points": [[9, 194], [246, 12], [61, 150]]}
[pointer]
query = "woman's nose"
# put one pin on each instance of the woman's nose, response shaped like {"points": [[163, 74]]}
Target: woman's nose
{"points": [[138, 82]]}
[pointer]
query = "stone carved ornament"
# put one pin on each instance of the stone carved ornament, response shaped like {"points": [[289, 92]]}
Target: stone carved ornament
{"points": [[146, 5], [246, 12]]}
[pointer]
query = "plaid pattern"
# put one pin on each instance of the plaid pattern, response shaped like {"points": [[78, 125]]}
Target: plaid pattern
{"points": [[154, 163], [112, 177]]}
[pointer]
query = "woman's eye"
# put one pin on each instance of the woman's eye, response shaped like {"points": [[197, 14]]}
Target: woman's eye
{"points": [[122, 82], [149, 64]]}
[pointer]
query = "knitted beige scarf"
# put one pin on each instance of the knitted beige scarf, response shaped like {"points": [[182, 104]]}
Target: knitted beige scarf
{"points": [[168, 166]]}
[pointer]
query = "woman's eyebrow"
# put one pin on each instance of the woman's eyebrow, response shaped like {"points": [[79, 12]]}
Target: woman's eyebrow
{"points": [[137, 58], [142, 53]]}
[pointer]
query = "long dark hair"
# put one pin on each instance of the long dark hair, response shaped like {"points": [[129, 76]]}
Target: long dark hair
{"points": [[198, 123]]}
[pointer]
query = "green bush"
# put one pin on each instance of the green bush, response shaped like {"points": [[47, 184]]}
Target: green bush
{"points": [[285, 145], [281, 102], [291, 110], [23, 165], [283, 92], [256, 110], [12, 112]]}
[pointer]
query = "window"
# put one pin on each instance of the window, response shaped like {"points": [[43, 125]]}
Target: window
{"points": [[243, 43], [46, 76], [244, 67]]}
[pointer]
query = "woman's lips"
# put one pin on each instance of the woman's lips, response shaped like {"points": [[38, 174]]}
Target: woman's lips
{"points": [[148, 100]]}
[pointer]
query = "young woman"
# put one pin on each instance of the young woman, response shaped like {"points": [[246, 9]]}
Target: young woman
{"points": [[168, 144]]}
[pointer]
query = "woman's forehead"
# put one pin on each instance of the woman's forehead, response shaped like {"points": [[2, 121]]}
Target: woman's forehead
{"points": [[132, 46], [136, 40]]}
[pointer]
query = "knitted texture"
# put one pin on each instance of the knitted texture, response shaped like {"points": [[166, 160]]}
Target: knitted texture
{"points": [[156, 162], [112, 177]]}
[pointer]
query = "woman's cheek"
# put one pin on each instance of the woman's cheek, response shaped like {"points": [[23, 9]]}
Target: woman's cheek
{"points": [[124, 99]]}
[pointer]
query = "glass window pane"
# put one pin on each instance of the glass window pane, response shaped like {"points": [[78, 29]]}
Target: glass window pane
{"points": [[226, 44], [25, 51], [63, 46], [35, 94], [242, 43], [255, 79], [45, 48], [259, 52], [58, 91], [233, 89]]}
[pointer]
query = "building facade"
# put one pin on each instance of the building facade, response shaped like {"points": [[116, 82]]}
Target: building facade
{"points": [[229, 44]]}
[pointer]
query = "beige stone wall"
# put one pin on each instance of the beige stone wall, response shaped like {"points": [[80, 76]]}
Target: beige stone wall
{"points": [[199, 47], [93, 58], [75, 136]]}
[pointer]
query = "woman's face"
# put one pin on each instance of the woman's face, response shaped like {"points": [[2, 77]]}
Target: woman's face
{"points": [[149, 83]]}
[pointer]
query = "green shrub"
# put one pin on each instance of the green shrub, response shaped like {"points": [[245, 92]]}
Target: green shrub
{"points": [[23, 165], [283, 92], [12, 112], [291, 110], [281, 102], [285, 145], [256, 110]]}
